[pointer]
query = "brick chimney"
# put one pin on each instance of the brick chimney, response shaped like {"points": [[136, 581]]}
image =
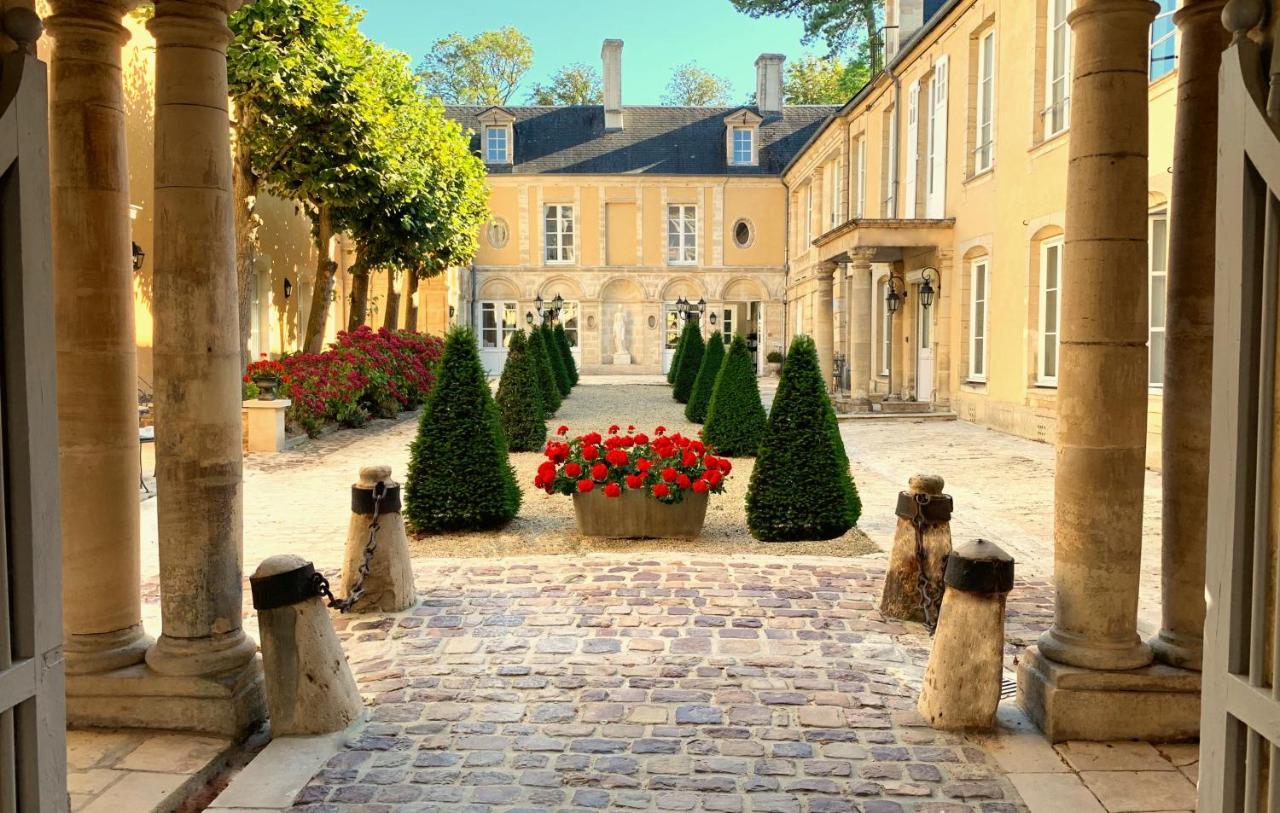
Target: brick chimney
{"points": [[611, 56], [769, 83]]}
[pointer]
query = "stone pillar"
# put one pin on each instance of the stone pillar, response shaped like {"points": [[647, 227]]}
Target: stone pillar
{"points": [[859, 310], [197, 362], [839, 320], [1086, 679], [1189, 334], [96, 353], [823, 314]]}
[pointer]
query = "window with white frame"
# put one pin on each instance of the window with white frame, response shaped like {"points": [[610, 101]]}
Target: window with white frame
{"points": [[1050, 310], [1158, 267], [984, 153], [886, 330], [744, 145], [726, 327], [498, 323], [860, 178], [682, 234], [890, 203], [1164, 43], [808, 215], [1057, 72], [559, 233], [978, 286], [833, 195], [495, 145]]}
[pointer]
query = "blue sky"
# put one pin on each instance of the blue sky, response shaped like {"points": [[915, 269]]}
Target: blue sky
{"points": [[659, 35]]}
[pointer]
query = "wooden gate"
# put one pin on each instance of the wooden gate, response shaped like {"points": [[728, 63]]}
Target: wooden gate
{"points": [[1240, 726], [32, 709]]}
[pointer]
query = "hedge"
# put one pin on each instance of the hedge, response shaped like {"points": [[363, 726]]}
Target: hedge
{"points": [[562, 339], [558, 371], [520, 399], [690, 361], [546, 375], [735, 416], [700, 398]]}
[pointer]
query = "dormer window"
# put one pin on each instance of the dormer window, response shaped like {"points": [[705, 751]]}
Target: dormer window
{"points": [[497, 135], [742, 135]]}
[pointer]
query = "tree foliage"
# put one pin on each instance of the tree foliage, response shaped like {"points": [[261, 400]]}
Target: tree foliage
{"points": [[574, 84], [735, 415], [823, 80], [801, 488], [482, 70], [690, 361], [562, 339], [558, 369], [551, 399], [459, 476], [520, 399], [675, 358], [700, 398], [693, 86], [845, 26]]}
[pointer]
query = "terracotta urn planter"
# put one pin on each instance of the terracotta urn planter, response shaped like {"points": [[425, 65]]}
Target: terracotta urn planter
{"points": [[636, 515]]}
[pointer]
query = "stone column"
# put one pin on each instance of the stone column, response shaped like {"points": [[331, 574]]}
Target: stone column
{"points": [[96, 353], [859, 309], [823, 315], [197, 357], [839, 320], [1189, 334]]}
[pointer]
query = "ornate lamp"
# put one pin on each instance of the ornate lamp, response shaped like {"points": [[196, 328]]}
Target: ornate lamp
{"points": [[894, 297], [139, 257], [528, 317], [702, 306], [926, 287]]}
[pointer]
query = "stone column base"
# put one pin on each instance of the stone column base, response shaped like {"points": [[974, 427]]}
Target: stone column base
{"points": [[230, 705], [1157, 703], [265, 430]]}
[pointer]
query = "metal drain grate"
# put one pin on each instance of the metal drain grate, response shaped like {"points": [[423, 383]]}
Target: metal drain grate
{"points": [[1008, 689]]}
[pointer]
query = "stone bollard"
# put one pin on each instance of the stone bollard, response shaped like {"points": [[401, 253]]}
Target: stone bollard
{"points": [[962, 681], [388, 587], [924, 527], [309, 685]]}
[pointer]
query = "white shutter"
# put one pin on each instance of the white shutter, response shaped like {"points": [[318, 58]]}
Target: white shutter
{"points": [[935, 200], [913, 149]]}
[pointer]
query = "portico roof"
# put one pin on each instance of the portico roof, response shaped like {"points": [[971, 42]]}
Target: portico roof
{"points": [[886, 236]]}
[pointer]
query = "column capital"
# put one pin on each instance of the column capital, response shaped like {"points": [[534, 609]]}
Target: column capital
{"points": [[1088, 8], [862, 257], [1199, 12], [192, 23], [100, 20]]}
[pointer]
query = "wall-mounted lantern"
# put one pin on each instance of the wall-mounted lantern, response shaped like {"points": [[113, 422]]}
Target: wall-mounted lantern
{"points": [[926, 287], [288, 288], [712, 319], [895, 294], [139, 257]]}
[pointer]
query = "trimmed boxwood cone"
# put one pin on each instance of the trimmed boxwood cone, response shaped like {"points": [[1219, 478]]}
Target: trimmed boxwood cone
{"points": [[520, 399], [546, 378], [690, 361], [801, 487], [675, 358], [562, 339], [735, 415], [459, 478], [700, 398], [558, 370]]}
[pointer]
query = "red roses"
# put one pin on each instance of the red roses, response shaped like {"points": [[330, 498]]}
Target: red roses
{"points": [[625, 461]]}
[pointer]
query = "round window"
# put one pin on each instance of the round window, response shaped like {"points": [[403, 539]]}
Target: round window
{"points": [[742, 234], [498, 233]]}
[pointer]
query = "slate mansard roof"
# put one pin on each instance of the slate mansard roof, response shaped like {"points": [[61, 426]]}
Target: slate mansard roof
{"points": [[654, 140]]}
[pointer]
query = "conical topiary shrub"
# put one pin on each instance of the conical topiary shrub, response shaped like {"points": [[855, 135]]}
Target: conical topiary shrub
{"points": [[801, 487], [700, 398], [546, 375], [558, 370], [735, 416], [675, 358], [520, 399], [562, 339], [690, 361], [459, 477]]}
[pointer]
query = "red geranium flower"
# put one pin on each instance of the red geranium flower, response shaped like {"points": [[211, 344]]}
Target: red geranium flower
{"points": [[599, 471], [613, 490], [642, 438], [563, 430], [688, 459], [590, 452], [669, 475], [617, 458], [714, 477], [635, 480], [572, 470], [725, 465], [585, 485], [644, 465], [683, 481], [547, 471], [613, 430], [661, 490], [700, 487], [661, 430]]}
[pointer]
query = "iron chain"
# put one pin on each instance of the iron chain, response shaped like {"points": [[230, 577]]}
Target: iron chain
{"points": [[357, 589], [928, 601]]}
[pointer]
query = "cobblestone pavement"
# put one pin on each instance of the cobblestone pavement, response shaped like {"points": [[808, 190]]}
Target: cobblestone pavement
{"points": [[664, 683]]}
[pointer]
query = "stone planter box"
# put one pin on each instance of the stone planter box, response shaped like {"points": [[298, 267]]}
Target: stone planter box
{"points": [[636, 515]]}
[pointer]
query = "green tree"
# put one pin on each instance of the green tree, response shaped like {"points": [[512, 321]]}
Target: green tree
{"points": [[700, 398], [562, 339], [693, 86], [459, 476], [483, 70], [690, 361], [735, 415], [520, 399], [823, 80], [572, 84], [801, 488], [558, 371], [844, 25], [546, 374]]}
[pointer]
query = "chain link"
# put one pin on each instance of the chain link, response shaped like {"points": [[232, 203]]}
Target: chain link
{"points": [[357, 589], [928, 601]]}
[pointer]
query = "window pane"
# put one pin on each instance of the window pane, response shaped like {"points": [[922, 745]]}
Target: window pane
{"points": [[1051, 312], [1156, 372], [1050, 357], [1159, 245], [1158, 302]]}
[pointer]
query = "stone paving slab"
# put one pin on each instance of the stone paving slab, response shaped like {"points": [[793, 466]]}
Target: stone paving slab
{"points": [[655, 683]]}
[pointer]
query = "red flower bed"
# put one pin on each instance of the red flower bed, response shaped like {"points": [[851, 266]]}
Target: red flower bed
{"points": [[666, 467], [364, 374]]}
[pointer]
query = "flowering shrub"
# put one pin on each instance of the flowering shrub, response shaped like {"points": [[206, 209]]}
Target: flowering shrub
{"points": [[364, 373], [666, 467]]}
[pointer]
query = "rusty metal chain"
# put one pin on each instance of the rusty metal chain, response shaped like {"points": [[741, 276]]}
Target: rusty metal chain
{"points": [[927, 599], [357, 589]]}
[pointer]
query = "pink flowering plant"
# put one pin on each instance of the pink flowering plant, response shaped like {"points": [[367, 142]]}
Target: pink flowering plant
{"points": [[666, 467]]}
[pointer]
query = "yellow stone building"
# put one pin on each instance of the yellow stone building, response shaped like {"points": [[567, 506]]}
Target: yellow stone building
{"points": [[946, 175]]}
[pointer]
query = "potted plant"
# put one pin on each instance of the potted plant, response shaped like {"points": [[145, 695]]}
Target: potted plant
{"points": [[775, 359], [267, 376], [631, 486]]}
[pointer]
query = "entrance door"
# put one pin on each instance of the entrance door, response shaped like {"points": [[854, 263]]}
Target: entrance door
{"points": [[671, 327], [924, 351]]}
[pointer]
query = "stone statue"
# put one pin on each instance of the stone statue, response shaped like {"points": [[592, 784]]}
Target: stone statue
{"points": [[620, 332]]}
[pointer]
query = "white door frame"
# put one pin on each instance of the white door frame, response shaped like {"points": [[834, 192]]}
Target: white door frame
{"points": [[668, 352], [913, 151], [926, 375], [936, 173]]}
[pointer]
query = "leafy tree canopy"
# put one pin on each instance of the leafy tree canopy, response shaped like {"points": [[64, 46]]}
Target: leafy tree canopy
{"points": [[843, 25], [484, 69], [572, 84], [823, 80], [693, 86]]}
